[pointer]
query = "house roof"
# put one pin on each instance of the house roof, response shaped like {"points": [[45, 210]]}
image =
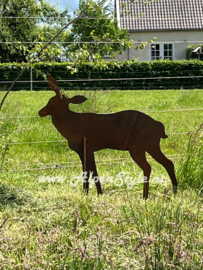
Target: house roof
{"points": [[160, 15]]}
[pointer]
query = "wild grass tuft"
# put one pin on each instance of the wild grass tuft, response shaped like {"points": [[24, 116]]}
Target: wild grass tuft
{"points": [[191, 167], [11, 195]]}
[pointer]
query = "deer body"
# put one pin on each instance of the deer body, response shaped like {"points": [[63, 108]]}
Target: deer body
{"points": [[131, 131], [89, 125], [119, 129]]}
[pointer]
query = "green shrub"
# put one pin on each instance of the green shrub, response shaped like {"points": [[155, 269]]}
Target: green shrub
{"points": [[128, 69]]}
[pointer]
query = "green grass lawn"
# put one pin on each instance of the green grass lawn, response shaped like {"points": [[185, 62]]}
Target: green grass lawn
{"points": [[55, 226]]}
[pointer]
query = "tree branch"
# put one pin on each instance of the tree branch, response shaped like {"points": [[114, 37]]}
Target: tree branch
{"points": [[38, 56]]}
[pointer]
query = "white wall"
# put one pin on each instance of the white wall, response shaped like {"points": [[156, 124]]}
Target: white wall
{"points": [[179, 38]]}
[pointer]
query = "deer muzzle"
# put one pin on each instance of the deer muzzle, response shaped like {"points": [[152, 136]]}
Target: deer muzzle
{"points": [[43, 112]]}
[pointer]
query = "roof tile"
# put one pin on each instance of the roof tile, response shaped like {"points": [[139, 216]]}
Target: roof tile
{"points": [[162, 15]]}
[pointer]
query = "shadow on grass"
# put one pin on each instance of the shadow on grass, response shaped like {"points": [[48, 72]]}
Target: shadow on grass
{"points": [[13, 196]]}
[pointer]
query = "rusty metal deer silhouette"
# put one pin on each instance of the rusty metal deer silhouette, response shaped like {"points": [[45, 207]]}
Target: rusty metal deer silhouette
{"points": [[131, 131]]}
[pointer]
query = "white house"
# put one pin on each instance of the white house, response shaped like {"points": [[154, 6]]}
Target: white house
{"points": [[175, 23]]}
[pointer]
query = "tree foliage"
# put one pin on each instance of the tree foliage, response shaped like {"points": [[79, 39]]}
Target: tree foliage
{"points": [[92, 38], [23, 9], [20, 22], [99, 27]]}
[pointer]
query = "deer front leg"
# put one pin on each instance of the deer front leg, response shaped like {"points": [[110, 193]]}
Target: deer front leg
{"points": [[80, 149], [86, 173], [88, 164], [91, 165]]}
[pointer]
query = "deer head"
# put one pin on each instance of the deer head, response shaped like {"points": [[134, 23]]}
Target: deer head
{"points": [[58, 102]]}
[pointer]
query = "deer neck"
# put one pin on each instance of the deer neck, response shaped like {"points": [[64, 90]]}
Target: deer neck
{"points": [[60, 115], [64, 121]]}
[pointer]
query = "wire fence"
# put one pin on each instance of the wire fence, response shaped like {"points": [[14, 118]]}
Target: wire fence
{"points": [[33, 85], [95, 42], [159, 83], [144, 111], [65, 165], [93, 18], [59, 141], [78, 164], [109, 162], [112, 79], [103, 80]]}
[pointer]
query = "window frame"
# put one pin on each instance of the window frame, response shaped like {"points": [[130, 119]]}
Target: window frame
{"points": [[161, 46]]}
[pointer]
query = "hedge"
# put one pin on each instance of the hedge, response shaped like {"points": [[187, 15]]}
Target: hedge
{"points": [[134, 69]]}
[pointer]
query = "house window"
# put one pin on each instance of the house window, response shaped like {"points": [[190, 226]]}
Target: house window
{"points": [[161, 51], [155, 52]]}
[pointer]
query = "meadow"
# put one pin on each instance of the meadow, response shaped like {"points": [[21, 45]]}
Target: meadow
{"points": [[53, 225]]}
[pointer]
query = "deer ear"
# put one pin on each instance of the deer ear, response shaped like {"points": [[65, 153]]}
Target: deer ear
{"points": [[53, 84], [77, 99]]}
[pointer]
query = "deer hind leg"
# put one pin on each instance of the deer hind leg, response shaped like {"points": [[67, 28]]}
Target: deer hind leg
{"points": [[140, 159], [157, 154]]}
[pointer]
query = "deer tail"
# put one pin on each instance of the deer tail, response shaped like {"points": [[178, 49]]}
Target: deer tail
{"points": [[162, 130]]}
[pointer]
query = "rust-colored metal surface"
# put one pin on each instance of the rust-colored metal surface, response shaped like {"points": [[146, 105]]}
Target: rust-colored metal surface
{"points": [[87, 133]]}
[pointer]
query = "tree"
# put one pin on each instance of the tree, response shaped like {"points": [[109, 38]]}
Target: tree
{"points": [[17, 26], [78, 56], [103, 28]]}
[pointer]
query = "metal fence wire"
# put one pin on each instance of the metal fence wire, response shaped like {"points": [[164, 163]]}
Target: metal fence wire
{"points": [[31, 82], [65, 165]]}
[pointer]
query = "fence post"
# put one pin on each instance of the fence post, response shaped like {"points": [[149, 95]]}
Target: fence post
{"points": [[85, 181], [31, 79]]}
